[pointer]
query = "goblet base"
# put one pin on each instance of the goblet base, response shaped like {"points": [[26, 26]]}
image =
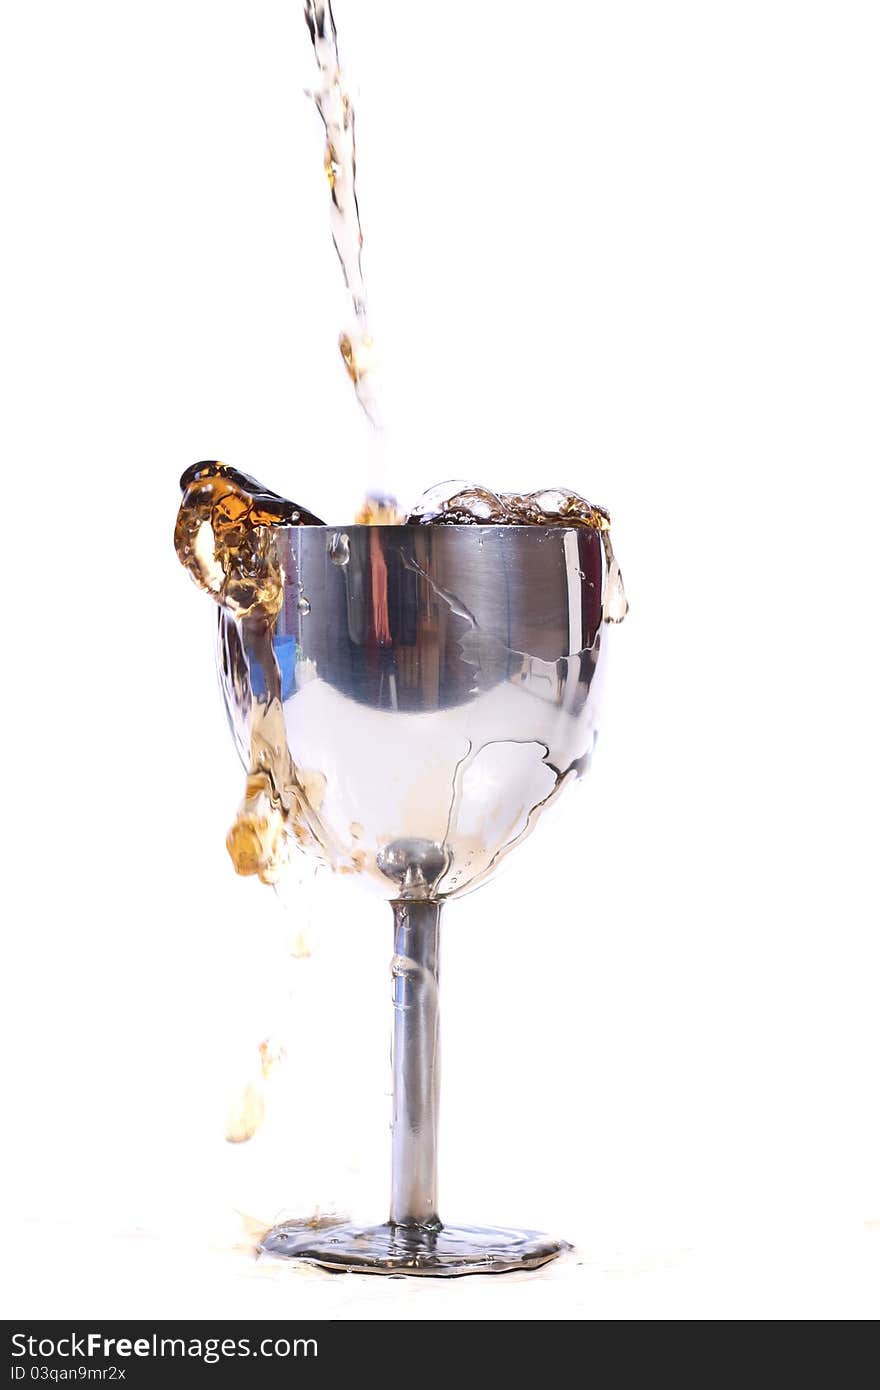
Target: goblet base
{"points": [[445, 1252]]}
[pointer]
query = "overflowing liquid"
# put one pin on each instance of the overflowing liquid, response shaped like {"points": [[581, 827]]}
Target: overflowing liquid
{"points": [[226, 536], [466, 504]]}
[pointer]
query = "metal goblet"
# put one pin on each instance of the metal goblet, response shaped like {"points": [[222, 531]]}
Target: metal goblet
{"points": [[440, 687]]}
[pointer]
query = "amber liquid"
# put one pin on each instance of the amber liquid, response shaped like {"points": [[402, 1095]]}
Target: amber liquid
{"points": [[336, 110]]}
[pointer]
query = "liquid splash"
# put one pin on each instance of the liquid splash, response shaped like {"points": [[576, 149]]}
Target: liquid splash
{"points": [[468, 504], [226, 538], [248, 1110], [379, 510]]}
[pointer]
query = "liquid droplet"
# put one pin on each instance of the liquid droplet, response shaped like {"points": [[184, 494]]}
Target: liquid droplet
{"points": [[340, 548], [246, 1115], [615, 604]]}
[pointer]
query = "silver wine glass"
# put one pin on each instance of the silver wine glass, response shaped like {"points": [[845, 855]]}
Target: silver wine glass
{"points": [[440, 687]]}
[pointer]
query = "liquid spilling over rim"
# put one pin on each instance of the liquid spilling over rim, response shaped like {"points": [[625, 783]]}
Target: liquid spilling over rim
{"points": [[226, 537]]}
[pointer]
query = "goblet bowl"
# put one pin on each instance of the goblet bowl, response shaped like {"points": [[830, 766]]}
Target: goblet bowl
{"points": [[440, 687]]}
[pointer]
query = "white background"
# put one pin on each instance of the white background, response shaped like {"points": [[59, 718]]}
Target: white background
{"points": [[629, 247]]}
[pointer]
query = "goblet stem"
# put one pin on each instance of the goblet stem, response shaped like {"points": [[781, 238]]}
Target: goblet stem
{"points": [[414, 1240], [415, 1061]]}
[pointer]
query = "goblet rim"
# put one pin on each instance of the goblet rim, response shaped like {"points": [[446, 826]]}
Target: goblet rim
{"points": [[466, 528]]}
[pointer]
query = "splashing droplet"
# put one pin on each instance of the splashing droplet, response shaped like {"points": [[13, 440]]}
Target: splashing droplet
{"points": [[340, 548], [615, 604], [246, 1115]]}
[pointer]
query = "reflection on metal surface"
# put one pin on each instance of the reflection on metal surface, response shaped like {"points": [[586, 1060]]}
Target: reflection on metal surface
{"points": [[390, 1249], [439, 684]]}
